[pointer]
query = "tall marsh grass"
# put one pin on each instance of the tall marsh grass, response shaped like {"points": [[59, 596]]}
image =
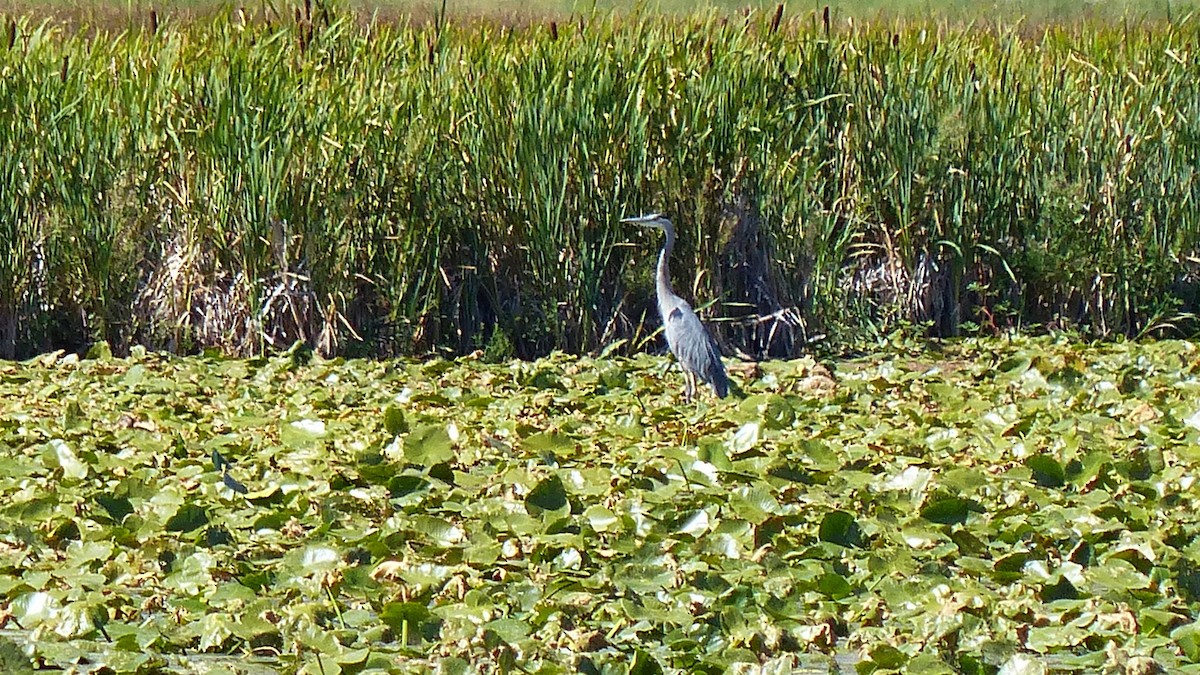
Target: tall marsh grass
{"points": [[392, 188]]}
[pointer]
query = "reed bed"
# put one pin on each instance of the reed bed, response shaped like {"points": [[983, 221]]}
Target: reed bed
{"points": [[389, 188]]}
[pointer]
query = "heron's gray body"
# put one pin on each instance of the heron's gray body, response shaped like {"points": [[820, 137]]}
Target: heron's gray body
{"points": [[688, 339]]}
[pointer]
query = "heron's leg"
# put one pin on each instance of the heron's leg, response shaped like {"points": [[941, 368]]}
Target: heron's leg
{"points": [[689, 385]]}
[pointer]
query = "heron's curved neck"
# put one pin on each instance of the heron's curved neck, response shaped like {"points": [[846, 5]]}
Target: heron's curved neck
{"points": [[663, 281]]}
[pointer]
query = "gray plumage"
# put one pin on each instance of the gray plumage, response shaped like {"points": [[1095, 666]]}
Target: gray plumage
{"points": [[688, 339]]}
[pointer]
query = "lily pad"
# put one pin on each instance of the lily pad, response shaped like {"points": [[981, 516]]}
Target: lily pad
{"points": [[949, 510], [428, 445]]}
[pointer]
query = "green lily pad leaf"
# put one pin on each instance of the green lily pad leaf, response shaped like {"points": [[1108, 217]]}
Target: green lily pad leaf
{"points": [[302, 434], [1062, 589], [744, 439], [820, 456], [834, 585], [967, 543], [644, 664], [268, 494], [949, 510], [131, 662], [321, 663], [694, 523], [59, 454], [1187, 637], [13, 659], [318, 559], [1009, 567], [189, 517], [1158, 621], [321, 641], [546, 379], [353, 657], [32, 609], [612, 375], [628, 426], [547, 495], [712, 449], [600, 518], [193, 574], [913, 479], [80, 553], [73, 417], [754, 504], [441, 532], [777, 413], [397, 614], [214, 630], [429, 445], [1046, 470], [1117, 575], [1049, 638], [76, 619], [839, 527], [134, 376], [231, 593], [1014, 365], [406, 484], [1143, 463], [887, 656], [509, 630], [427, 574], [442, 471], [394, 421], [548, 441], [928, 664]]}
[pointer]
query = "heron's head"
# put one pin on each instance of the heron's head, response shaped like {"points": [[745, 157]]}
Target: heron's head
{"points": [[656, 220]]}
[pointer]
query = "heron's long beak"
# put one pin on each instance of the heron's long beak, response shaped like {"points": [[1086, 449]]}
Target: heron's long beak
{"points": [[647, 219]]}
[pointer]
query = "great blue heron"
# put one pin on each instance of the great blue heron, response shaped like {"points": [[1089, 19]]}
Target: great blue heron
{"points": [[686, 336]]}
